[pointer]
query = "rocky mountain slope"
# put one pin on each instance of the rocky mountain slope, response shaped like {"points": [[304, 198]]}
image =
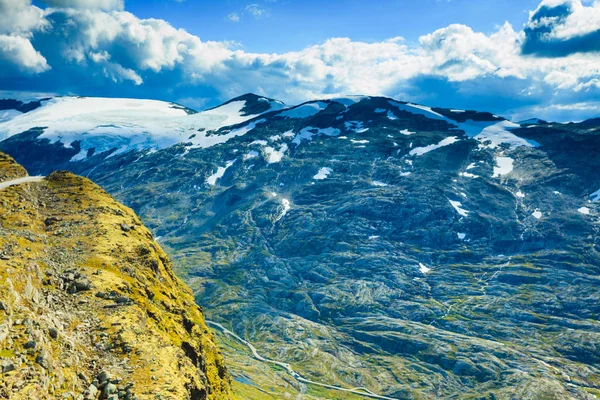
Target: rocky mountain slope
{"points": [[89, 305], [416, 252]]}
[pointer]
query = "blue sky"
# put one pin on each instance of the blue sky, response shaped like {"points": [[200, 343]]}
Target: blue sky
{"points": [[288, 25], [516, 58]]}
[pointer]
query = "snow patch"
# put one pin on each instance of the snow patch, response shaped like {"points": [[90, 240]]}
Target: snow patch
{"points": [[504, 166], [308, 133], [537, 214], [419, 151], [390, 115], [251, 154], [458, 207], [493, 134], [285, 205], [274, 156], [258, 142], [304, 110], [423, 269], [323, 173], [584, 210], [378, 183], [212, 180]]}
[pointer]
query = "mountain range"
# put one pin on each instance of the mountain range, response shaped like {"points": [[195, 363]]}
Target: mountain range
{"points": [[387, 248]]}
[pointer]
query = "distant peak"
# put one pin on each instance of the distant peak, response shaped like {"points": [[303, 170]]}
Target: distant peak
{"points": [[253, 97], [255, 104]]}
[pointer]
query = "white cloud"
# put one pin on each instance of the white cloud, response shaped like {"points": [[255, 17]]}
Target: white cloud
{"points": [[581, 20], [233, 17], [255, 11], [19, 17], [87, 4], [18, 51]]}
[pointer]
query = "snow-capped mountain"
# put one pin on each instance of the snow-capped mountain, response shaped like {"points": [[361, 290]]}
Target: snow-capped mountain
{"points": [[416, 251], [121, 125]]}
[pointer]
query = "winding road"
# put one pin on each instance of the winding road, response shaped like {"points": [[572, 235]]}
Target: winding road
{"points": [[361, 391], [27, 179]]}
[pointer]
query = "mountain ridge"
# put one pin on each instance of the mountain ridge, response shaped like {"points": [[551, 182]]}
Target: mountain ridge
{"points": [[90, 307]]}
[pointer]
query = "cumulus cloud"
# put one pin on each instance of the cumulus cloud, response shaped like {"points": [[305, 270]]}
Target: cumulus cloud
{"points": [[561, 27], [91, 51], [18, 53], [19, 17], [87, 4]]}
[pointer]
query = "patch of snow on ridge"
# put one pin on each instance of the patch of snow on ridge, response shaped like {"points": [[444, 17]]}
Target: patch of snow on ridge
{"points": [[251, 154], [419, 151], [458, 207], [274, 156], [285, 204], [489, 133], [304, 110], [323, 173], [504, 166], [202, 140], [212, 180], [378, 183], [584, 210], [423, 269], [420, 110], [232, 113], [595, 196], [461, 236], [258, 142], [469, 175], [537, 214], [308, 133], [492, 134]]}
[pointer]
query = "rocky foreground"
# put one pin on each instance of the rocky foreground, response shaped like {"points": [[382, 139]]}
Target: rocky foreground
{"points": [[89, 305]]}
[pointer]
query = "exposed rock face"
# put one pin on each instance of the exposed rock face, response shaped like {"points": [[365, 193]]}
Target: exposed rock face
{"points": [[9, 169], [90, 311], [421, 253]]}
